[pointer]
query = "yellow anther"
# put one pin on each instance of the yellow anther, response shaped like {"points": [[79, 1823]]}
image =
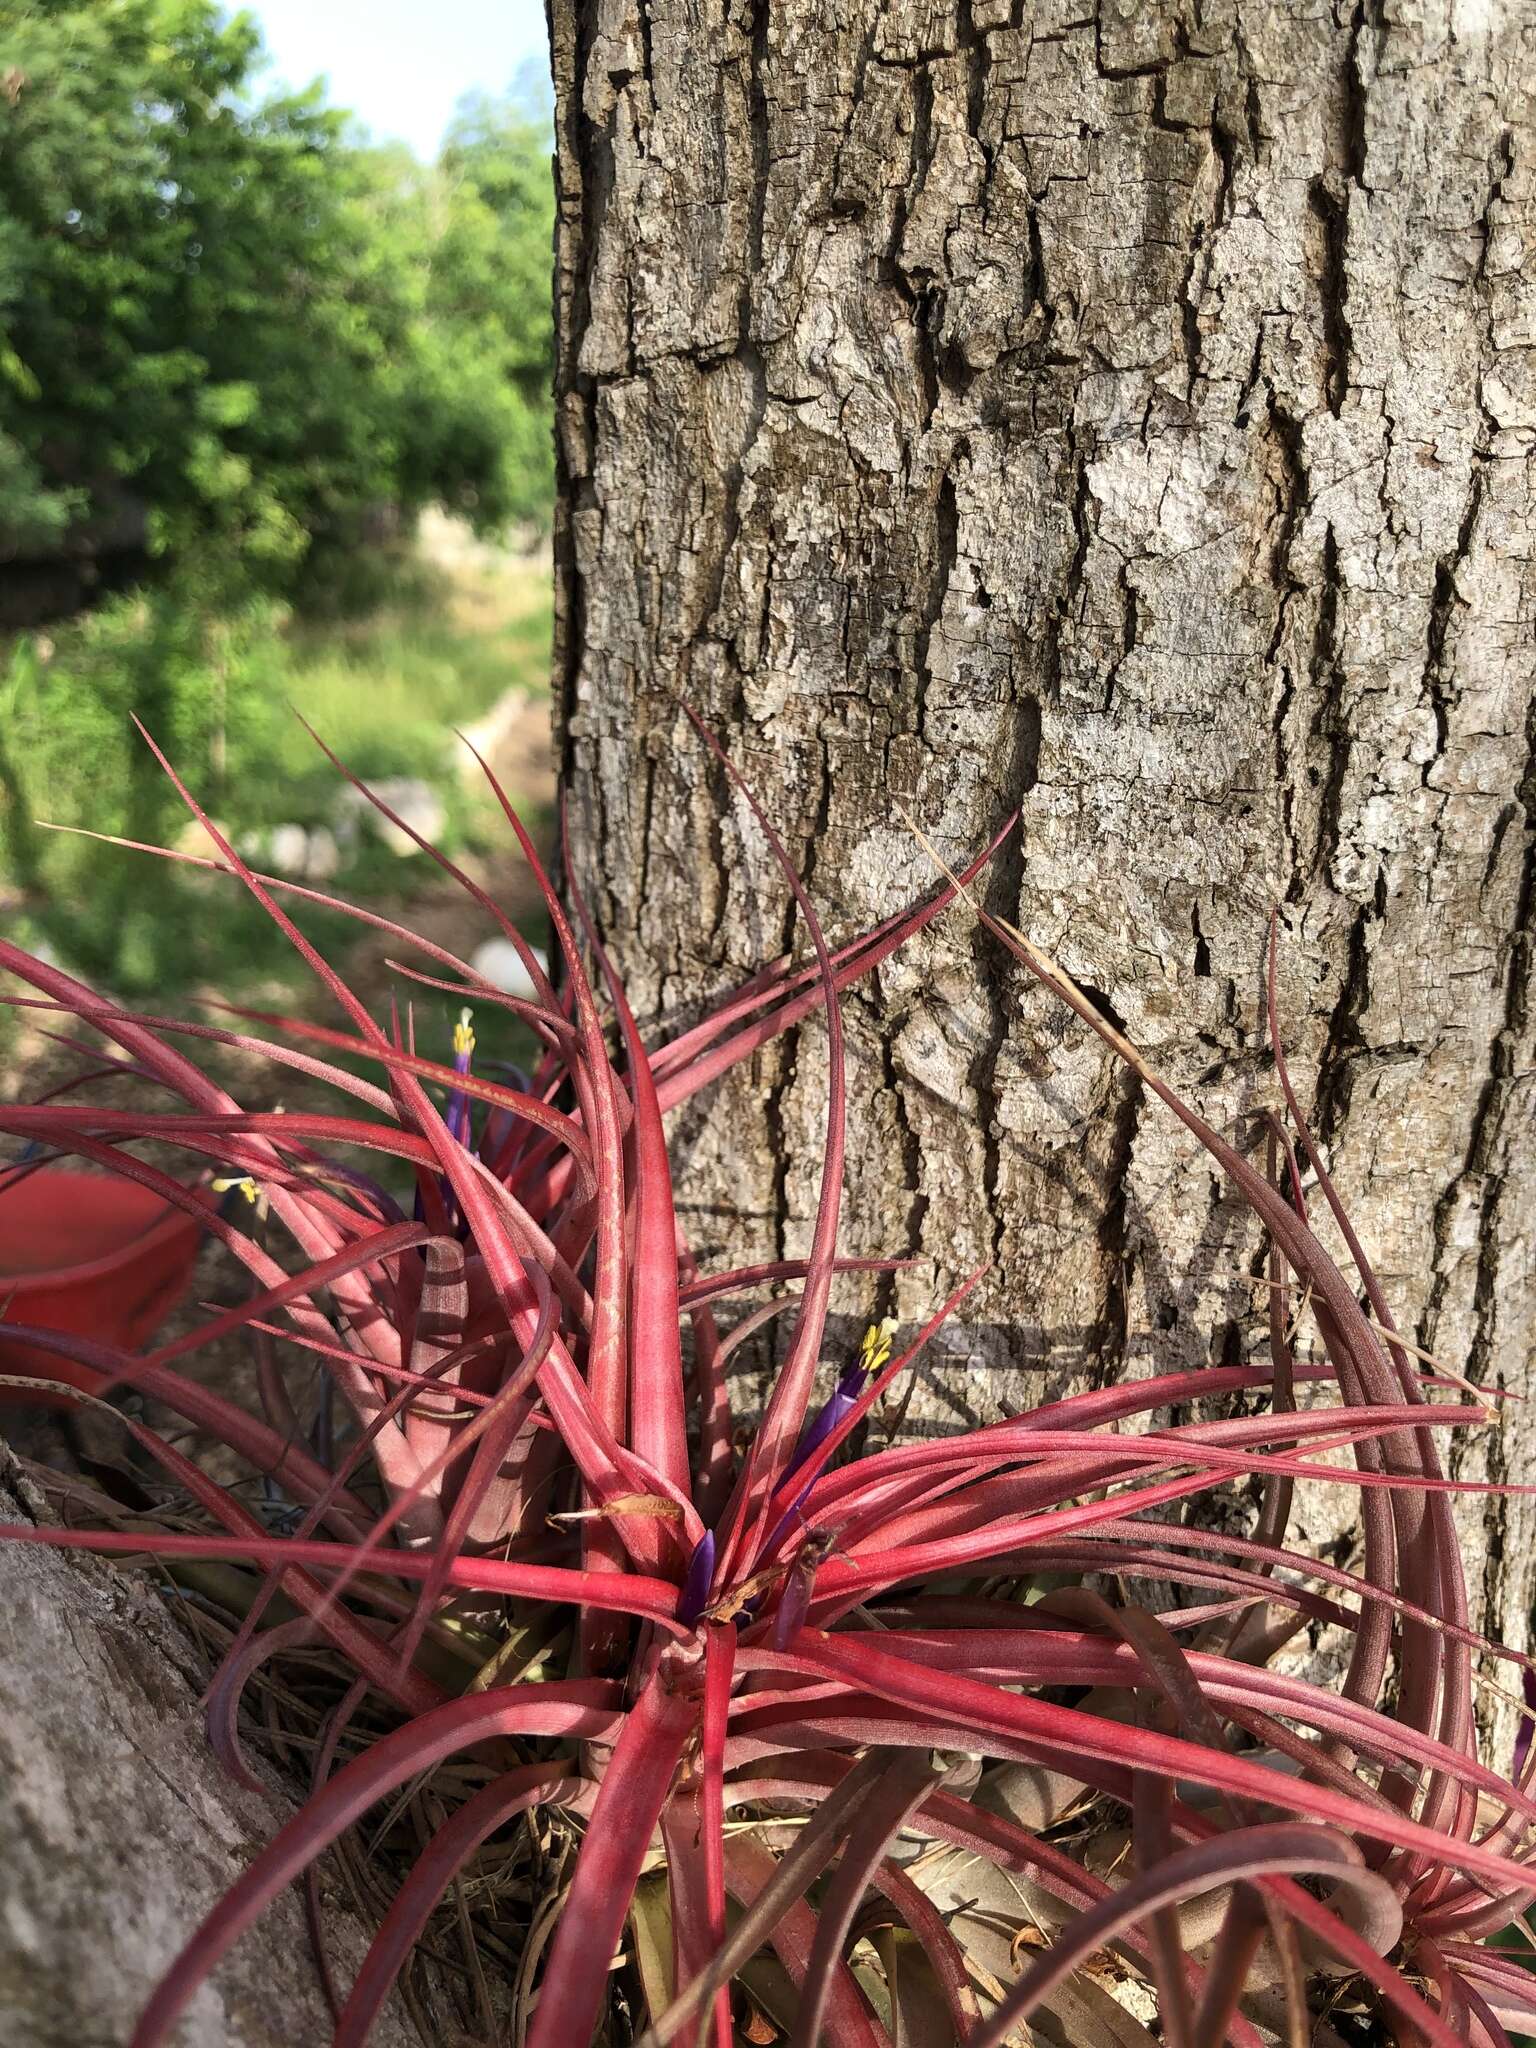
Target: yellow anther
{"points": [[243, 1182], [875, 1351], [463, 1033]]}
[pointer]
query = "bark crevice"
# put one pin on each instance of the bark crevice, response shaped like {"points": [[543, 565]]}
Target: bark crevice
{"points": [[1138, 433]]}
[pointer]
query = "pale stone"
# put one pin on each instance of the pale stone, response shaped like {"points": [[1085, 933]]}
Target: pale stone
{"points": [[415, 802], [498, 962], [119, 1829], [287, 849]]}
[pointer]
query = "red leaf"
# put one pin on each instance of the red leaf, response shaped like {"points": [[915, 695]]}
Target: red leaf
{"points": [[434, 1870], [634, 1787], [618, 1593], [582, 1708]]}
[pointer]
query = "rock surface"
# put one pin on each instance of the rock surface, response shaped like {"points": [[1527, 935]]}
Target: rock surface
{"points": [[415, 802], [118, 1827], [499, 962]]}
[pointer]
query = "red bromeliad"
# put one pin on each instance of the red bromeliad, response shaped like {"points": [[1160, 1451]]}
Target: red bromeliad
{"points": [[792, 1624]]}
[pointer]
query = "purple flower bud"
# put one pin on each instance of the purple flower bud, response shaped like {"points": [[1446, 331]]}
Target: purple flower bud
{"points": [[701, 1571], [825, 1420]]}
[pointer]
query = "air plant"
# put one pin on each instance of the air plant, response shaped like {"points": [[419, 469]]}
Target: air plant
{"points": [[541, 1542]]}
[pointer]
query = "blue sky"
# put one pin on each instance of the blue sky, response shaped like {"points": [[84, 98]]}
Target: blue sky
{"points": [[401, 64]]}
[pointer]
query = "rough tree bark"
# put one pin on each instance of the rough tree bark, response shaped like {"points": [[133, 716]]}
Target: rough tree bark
{"points": [[1124, 411]]}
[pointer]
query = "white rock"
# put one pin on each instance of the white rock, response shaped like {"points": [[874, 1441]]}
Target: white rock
{"points": [[323, 855], [287, 849], [499, 963], [416, 802], [192, 838]]}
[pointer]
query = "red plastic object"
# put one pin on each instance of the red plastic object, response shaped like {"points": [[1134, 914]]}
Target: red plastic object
{"points": [[91, 1254]]}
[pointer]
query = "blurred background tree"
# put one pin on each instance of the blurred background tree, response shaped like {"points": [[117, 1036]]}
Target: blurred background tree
{"points": [[242, 349], [234, 319]]}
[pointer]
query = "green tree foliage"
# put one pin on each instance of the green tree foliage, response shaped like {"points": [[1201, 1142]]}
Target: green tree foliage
{"points": [[210, 685], [243, 343], [224, 317], [490, 278]]}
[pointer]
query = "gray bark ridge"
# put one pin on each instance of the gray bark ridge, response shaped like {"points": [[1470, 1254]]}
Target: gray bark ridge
{"points": [[1125, 411], [120, 1830]]}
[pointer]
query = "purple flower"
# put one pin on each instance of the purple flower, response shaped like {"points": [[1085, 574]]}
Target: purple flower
{"points": [[701, 1571]]}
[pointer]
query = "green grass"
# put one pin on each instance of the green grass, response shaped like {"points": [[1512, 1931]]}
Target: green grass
{"points": [[386, 690], [442, 637]]}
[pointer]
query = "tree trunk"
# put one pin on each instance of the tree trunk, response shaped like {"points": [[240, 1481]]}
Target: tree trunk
{"points": [[1124, 413]]}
